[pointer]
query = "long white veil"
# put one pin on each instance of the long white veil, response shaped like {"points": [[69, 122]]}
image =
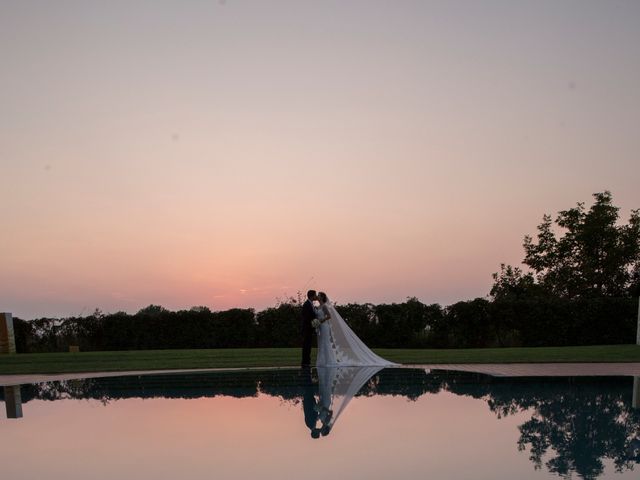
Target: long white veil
{"points": [[349, 350]]}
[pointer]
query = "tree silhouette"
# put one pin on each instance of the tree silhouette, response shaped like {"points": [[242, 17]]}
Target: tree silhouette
{"points": [[585, 254]]}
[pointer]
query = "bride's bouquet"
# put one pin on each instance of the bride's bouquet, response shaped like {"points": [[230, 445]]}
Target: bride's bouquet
{"points": [[316, 323]]}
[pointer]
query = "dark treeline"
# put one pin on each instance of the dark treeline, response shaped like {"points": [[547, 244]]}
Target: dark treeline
{"points": [[580, 287], [537, 321], [571, 424]]}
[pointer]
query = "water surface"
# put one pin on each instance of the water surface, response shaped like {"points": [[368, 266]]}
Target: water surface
{"points": [[332, 423]]}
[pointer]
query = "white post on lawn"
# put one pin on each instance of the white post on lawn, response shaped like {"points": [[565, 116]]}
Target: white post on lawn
{"points": [[638, 328], [635, 402], [7, 338]]}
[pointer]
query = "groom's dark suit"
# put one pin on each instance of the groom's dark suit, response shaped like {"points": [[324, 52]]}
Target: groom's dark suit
{"points": [[308, 315]]}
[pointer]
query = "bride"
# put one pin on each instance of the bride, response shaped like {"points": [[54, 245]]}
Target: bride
{"points": [[338, 346]]}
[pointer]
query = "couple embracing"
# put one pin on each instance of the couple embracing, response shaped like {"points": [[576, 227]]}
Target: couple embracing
{"points": [[338, 345]]}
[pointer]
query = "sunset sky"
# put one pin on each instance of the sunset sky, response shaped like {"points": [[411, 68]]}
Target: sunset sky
{"points": [[229, 153]]}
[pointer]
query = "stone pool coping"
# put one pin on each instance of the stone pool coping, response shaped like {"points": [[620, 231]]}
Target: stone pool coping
{"points": [[494, 369]]}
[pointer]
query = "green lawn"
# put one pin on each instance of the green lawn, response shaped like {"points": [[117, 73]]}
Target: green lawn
{"points": [[278, 357]]}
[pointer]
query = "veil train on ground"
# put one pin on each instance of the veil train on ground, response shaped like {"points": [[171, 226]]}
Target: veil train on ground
{"points": [[349, 350]]}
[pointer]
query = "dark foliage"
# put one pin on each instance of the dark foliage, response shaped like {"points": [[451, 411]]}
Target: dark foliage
{"points": [[586, 254], [509, 321]]}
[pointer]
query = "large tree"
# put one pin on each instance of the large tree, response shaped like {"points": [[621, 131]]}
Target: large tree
{"points": [[586, 254]]}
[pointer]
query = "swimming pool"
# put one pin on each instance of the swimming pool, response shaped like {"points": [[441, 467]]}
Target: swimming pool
{"points": [[321, 423]]}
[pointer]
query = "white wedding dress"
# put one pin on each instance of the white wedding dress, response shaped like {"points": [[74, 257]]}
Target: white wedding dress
{"points": [[338, 346]]}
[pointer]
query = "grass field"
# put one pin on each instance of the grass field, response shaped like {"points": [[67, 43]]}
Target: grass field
{"points": [[278, 357]]}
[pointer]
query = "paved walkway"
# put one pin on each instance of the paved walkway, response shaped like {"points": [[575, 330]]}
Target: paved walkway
{"points": [[496, 370], [546, 369]]}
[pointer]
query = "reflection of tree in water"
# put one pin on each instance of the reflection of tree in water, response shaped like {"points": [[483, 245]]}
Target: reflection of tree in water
{"points": [[578, 422], [583, 426]]}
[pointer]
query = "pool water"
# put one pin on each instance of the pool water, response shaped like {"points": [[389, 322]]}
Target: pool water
{"points": [[321, 424]]}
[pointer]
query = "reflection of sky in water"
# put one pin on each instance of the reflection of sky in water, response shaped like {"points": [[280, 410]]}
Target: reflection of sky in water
{"points": [[404, 424]]}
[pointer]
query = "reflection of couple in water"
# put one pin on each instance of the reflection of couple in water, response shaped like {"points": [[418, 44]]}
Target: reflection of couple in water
{"points": [[335, 388], [316, 408]]}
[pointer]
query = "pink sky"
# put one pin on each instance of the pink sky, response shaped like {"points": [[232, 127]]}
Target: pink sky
{"points": [[199, 153]]}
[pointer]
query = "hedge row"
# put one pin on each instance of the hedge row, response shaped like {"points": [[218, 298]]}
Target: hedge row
{"points": [[537, 321]]}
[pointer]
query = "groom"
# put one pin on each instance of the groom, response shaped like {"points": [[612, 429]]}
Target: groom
{"points": [[308, 315]]}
